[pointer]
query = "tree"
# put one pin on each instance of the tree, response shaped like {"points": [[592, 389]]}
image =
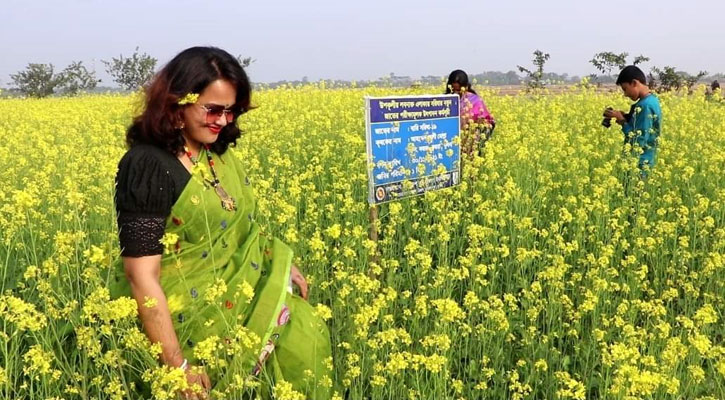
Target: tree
{"points": [[668, 78], [245, 61], [535, 79], [640, 59], [38, 80], [131, 72], [76, 78], [608, 61]]}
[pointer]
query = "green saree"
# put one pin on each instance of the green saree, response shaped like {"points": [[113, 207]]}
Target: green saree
{"points": [[228, 289]]}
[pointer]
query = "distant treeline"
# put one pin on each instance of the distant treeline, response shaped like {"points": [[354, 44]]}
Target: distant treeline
{"points": [[133, 72], [488, 78]]}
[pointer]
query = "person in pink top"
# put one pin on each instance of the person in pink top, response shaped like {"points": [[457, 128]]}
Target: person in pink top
{"points": [[474, 113]]}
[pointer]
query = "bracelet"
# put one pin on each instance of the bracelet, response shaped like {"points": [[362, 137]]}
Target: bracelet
{"points": [[184, 364]]}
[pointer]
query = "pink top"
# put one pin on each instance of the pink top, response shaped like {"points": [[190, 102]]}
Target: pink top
{"points": [[473, 109]]}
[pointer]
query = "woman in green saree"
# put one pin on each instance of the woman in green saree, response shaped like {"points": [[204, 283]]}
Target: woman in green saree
{"points": [[212, 288]]}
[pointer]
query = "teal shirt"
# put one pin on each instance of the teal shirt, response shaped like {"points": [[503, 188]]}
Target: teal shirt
{"points": [[643, 128]]}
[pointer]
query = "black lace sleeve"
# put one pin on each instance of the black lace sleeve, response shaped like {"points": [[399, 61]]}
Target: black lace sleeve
{"points": [[145, 193]]}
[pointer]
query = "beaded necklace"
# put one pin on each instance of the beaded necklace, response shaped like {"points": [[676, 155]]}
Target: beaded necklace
{"points": [[228, 202]]}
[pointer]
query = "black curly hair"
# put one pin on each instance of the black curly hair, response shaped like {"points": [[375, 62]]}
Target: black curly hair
{"points": [[191, 71]]}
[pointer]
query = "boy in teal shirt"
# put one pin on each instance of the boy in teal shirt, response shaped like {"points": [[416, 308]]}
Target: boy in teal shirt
{"points": [[642, 125]]}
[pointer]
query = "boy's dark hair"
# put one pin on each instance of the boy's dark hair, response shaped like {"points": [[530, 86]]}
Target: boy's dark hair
{"points": [[631, 73]]}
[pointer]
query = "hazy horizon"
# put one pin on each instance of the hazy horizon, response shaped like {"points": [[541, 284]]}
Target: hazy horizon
{"points": [[332, 40]]}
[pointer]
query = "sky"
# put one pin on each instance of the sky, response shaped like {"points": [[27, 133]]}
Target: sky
{"points": [[356, 40]]}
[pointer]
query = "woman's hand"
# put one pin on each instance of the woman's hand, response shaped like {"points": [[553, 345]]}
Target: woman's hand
{"points": [[200, 379], [299, 280]]}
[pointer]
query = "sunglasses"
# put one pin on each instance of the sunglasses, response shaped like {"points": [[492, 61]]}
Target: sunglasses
{"points": [[214, 112]]}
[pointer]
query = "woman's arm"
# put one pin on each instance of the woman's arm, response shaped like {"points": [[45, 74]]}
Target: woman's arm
{"points": [[143, 275]]}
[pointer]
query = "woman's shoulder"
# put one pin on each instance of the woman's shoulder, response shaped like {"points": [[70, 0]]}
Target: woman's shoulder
{"points": [[151, 162], [472, 97], [149, 178], [143, 152], [149, 158], [230, 156]]}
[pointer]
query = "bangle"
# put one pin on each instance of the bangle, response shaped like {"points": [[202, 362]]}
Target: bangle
{"points": [[184, 364]]}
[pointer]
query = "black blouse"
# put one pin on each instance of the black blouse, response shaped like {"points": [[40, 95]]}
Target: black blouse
{"points": [[148, 183]]}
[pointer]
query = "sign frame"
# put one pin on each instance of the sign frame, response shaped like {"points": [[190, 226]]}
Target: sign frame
{"points": [[379, 193]]}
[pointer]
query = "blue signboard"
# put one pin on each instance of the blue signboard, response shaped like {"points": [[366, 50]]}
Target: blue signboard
{"points": [[413, 145]]}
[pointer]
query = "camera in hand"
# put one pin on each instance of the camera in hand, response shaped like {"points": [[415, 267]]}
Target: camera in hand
{"points": [[607, 122]]}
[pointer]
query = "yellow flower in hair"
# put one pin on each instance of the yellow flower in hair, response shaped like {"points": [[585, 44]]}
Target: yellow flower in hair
{"points": [[190, 98]]}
